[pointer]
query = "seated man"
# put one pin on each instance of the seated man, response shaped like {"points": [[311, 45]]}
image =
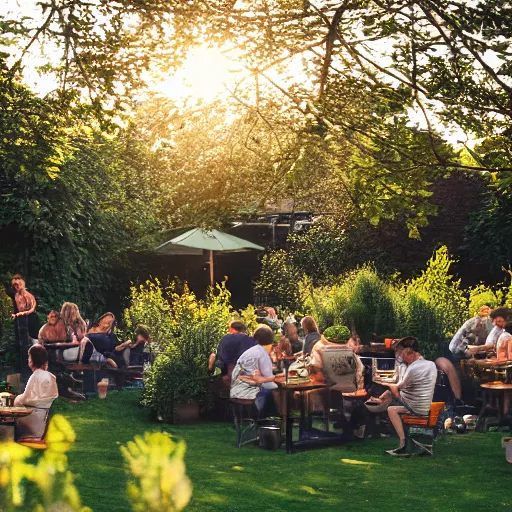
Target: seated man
{"points": [[231, 347], [54, 330], [415, 392], [252, 376], [499, 317], [41, 389], [468, 341], [136, 352]]}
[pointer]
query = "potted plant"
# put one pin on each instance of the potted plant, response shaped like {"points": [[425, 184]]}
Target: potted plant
{"points": [[175, 389], [337, 334]]}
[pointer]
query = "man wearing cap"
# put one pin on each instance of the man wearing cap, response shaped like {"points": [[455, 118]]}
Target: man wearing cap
{"points": [[413, 395]]}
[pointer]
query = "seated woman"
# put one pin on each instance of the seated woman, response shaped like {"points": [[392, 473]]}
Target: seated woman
{"points": [[105, 343], [53, 331], [76, 329], [290, 343], [311, 332], [41, 389]]}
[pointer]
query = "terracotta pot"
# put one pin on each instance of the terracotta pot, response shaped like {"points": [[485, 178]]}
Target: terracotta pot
{"points": [[102, 387], [186, 413]]}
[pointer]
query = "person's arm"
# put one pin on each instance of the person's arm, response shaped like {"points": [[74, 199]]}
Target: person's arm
{"points": [[490, 340], [256, 378], [459, 343], [395, 389], [20, 399]]}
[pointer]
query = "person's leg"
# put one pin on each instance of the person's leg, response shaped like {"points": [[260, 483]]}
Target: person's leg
{"points": [[83, 344], [447, 367], [88, 349], [394, 412], [506, 402]]}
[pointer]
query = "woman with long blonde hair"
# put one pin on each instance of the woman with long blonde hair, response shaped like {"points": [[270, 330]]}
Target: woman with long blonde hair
{"points": [[75, 325]]}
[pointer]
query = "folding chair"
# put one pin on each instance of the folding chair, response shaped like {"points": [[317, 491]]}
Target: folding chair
{"points": [[420, 431], [244, 416], [31, 430]]}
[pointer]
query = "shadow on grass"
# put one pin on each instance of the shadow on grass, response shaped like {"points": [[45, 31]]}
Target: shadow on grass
{"points": [[467, 473]]}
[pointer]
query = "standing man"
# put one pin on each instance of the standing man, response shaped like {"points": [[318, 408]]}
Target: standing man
{"points": [[413, 395]]}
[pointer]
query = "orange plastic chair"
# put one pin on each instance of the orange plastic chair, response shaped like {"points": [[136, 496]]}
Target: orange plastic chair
{"points": [[420, 430]]}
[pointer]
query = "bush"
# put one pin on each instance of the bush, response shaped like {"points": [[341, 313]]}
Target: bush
{"points": [[440, 290], [431, 307], [278, 282], [189, 330]]}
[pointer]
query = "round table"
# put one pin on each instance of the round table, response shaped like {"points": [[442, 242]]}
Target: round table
{"points": [[8, 414], [491, 389], [8, 417]]}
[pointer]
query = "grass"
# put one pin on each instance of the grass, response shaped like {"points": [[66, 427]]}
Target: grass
{"points": [[468, 472]]}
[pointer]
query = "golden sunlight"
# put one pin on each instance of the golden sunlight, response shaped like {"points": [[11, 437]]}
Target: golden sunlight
{"points": [[205, 75]]}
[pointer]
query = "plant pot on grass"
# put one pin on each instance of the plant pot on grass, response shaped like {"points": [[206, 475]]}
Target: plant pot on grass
{"points": [[184, 413], [175, 389]]}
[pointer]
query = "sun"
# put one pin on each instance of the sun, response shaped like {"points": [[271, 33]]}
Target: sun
{"points": [[206, 75]]}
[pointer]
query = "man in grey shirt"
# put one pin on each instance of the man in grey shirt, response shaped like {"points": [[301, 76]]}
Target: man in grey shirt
{"points": [[414, 393]]}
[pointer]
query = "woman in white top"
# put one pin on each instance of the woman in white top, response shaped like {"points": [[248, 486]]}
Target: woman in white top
{"points": [[41, 389]]}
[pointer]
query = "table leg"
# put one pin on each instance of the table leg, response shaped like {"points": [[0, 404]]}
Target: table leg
{"points": [[289, 428], [327, 408], [302, 421], [501, 402], [284, 409]]}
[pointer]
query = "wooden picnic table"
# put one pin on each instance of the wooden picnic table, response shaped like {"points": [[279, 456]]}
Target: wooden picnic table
{"points": [[287, 402]]}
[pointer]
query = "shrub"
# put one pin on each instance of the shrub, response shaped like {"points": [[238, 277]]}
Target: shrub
{"points": [[149, 306], [278, 282], [193, 329], [439, 289], [480, 295], [431, 307]]}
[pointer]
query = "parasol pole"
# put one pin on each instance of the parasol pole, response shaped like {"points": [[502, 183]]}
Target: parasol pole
{"points": [[211, 269]]}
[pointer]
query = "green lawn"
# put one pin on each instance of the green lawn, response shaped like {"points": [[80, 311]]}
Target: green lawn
{"points": [[468, 472]]}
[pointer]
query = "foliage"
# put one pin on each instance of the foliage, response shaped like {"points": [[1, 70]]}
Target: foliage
{"points": [[481, 294], [149, 306], [431, 307], [154, 463], [73, 201], [158, 481], [52, 483], [248, 317], [438, 288], [339, 333], [278, 281], [187, 331]]}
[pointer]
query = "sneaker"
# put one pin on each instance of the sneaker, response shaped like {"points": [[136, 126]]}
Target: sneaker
{"points": [[398, 452]]}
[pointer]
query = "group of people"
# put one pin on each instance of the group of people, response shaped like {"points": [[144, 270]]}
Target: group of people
{"points": [[97, 342], [247, 366]]}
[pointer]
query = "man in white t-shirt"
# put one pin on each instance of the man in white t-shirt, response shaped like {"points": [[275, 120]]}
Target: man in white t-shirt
{"points": [[41, 389], [415, 391]]}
